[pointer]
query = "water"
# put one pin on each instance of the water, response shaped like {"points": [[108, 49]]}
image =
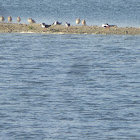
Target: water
{"points": [[70, 87], [96, 12]]}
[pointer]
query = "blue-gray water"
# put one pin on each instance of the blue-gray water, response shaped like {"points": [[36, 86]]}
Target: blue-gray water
{"points": [[96, 12], [69, 87]]}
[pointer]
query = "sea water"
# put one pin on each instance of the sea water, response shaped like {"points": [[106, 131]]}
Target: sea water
{"points": [[70, 87], [95, 12]]}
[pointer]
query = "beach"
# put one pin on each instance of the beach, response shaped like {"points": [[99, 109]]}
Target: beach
{"points": [[80, 82], [61, 29]]}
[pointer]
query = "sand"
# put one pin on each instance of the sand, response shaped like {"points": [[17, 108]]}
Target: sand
{"points": [[61, 29]]}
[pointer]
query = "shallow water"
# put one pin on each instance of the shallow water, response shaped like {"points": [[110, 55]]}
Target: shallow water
{"points": [[69, 87]]}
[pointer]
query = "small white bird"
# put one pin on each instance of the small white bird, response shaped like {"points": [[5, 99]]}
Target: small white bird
{"points": [[67, 24]]}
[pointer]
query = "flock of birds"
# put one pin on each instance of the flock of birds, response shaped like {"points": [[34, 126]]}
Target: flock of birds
{"points": [[2, 19], [43, 25]]}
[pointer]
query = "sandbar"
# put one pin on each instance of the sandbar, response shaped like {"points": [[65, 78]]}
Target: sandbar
{"points": [[61, 29]]}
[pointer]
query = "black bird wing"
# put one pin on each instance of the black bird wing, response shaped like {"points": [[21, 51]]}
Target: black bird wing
{"points": [[47, 26]]}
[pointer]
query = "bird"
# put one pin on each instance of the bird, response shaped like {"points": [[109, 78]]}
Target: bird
{"points": [[18, 19], [83, 22], [10, 19], [105, 25], [57, 23], [30, 20], [43, 25], [2, 19], [78, 21], [67, 24]]}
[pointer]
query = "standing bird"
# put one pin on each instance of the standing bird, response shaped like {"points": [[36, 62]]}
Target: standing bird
{"points": [[10, 19], [2, 19], [57, 23], [18, 19], [30, 20], [105, 25], [43, 25], [83, 22], [67, 24], [78, 21]]}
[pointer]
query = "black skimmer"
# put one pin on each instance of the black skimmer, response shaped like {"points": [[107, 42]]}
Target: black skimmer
{"points": [[57, 23], [105, 25], [43, 25], [67, 24]]}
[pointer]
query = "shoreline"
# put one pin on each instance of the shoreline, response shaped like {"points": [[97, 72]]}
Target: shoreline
{"points": [[61, 29]]}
